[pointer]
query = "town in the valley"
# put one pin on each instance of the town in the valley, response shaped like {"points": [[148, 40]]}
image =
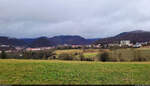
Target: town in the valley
{"points": [[118, 44]]}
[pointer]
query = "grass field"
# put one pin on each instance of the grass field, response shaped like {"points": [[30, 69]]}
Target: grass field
{"points": [[88, 53], [73, 72], [126, 55]]}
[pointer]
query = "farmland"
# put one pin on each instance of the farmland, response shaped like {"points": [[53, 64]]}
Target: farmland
{"points": [[87, 52], [108, 55], [117, 55], [73, 72]]}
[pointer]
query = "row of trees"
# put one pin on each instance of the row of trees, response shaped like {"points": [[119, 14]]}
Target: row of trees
{"points": [[120, 55], [45, 55], [124, 56], [105, 56], [74, 56], [3, 55], [38, 55], [28, 55]]}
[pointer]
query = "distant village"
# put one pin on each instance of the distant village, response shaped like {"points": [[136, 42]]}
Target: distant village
{"points": [[120, 44]]}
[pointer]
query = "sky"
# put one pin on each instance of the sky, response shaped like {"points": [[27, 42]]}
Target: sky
{"points": [[87, 18]]}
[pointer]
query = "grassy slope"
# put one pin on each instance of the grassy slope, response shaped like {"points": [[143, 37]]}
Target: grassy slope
{"points": [[67, 72], [88, 53]]}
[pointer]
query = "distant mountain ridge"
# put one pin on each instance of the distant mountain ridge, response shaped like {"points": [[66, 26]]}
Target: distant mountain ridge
{"points": [[41, 42], [45, 41], [11, 41], [133, 36], [72, 40]]}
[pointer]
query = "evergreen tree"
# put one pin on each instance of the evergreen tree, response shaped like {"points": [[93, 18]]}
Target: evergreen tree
{"points": [[3, 55], [104, 57]]}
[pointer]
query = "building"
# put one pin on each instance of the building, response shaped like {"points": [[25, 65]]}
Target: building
{"points": [[97, 46], [33, 49], [19, 48], [46, 48], [89, 46], [7, 48], [114, 44], [40, 48], [137, 45], [125, 42], [76, 46]]}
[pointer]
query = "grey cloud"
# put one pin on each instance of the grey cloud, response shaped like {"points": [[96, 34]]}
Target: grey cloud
{"points": [[88, 18]]}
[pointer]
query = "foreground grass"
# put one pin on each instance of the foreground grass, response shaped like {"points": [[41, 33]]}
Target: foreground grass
{"points": [[73, 72]]}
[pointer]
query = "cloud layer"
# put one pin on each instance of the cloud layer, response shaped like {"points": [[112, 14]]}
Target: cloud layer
{"points": [[88, 18]]}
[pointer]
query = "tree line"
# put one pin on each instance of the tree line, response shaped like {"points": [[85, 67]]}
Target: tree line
{"points": [[115, 55]]}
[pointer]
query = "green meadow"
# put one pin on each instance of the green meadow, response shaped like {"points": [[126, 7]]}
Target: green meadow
{"points": [[73, 72]]}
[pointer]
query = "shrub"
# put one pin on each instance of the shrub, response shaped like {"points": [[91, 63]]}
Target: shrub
{"points": [[121, 55], [38, 54], [51, 57], [86, 59], [89, 59], [65, 56], [81, 56], [3, 55], [103, 56], [141, 56]]}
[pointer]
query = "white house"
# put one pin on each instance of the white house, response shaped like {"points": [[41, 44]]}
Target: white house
{"points": [[137, 45], [33, 49], [125, 42]]}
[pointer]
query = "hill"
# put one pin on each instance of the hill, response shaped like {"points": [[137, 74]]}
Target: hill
{"points": [[11, 41], [41, 42], [28, 40], [133, 36], [72, 40], [45, 41], [58, 40]]}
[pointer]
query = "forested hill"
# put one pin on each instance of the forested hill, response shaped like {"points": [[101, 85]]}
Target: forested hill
{"points": [[133, 36], [45, 41]]}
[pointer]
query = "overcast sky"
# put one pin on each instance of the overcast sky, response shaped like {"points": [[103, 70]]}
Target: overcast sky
{"points": [[87, 18]]}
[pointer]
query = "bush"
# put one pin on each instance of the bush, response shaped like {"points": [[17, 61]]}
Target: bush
{"points": [[127, 55], [81, 56], [103, 56], [52, 57], [38, 54], [139, 56], [65, 56], [86, 59], [121, 55], [89, 59], [3, 55]]}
